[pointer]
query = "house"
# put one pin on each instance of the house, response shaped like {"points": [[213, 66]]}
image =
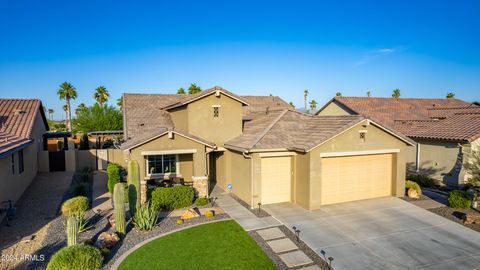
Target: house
{"points": [[445, 130], [22, 125], [262, 150]]}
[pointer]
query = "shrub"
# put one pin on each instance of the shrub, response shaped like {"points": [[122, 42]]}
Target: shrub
{"points": [[77, 257], [145, 218], [459, 199], [73, 205], [114, 172], [80, 190], [172, 198], [84, 144], [410, 184], [201, 201], [422, 180]]}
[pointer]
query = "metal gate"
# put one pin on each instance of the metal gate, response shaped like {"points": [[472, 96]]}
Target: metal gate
{"points": [[56, 161]]}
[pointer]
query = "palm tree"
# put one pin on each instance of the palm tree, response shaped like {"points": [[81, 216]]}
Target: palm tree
{"points": [[101, 95], [181, 91], [396, 93], [120, 103], [451, 95], [65, 109], [193, 89], [313, 106], [369, 94], [338, 94], [50, 112], [305, 95], [80, 108], [67, 92]]}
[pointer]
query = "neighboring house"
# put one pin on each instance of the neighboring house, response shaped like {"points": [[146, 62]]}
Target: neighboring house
{"points": [[22, 124], [262, 150], [446, 130]]}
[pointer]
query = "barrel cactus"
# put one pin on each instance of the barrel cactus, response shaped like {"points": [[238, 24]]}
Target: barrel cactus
{"points": [[119, 208], [133, 187], [72, 230]]}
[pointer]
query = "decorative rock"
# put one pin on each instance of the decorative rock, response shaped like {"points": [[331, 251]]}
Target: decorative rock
{"points": [[412, 193], [471, 218], [190, 213], [111, 220], [107, 240]]}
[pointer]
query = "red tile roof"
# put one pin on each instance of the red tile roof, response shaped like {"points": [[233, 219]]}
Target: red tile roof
{"points": [[17, 118], [445, 119]]}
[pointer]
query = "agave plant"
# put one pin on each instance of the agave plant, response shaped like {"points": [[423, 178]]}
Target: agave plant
{"points": [[146, 217]]}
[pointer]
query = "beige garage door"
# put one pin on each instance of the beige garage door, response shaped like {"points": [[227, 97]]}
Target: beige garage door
{"points": [[276, 179], [356, 178]]}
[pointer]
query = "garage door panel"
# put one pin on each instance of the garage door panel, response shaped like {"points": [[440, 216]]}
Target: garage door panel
{"points": [[356, 178], [276, 179]]}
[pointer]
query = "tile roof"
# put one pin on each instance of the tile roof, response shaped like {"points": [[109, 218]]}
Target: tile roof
{"points": [[145, 137], [445, 119], [17, 119], [190, 98], [291, 130], [260, 103]]}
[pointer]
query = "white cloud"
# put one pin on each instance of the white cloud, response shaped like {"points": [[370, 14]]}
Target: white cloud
{"points": [[372, 55]]}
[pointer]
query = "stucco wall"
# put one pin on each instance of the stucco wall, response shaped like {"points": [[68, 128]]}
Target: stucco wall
{"points": [[164, 143], [334, 108], [180, 117], [186, 166], [376, 139], [301, 181], [239, 175], [215, 129], [221, 170], [86, 158], [441, 160]]}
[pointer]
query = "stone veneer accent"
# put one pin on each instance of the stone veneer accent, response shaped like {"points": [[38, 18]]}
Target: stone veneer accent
{"points": [[143, 191], [200, 185]]}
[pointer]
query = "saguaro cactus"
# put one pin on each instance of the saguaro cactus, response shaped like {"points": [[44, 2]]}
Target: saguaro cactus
{"points": [[119, 208], [72, 230], [133, 187]]}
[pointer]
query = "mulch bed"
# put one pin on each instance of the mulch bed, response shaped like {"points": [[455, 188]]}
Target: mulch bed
{"points": [[300, 244], [455, 215], [260, 213]]}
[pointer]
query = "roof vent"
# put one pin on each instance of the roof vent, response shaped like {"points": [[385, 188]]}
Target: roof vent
{"points": [[19, 112]]}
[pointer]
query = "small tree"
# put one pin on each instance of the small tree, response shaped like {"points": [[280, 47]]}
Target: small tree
{"points": [[338, 94], [84, 144], [120, 103], [451, 95], [396, 93], [305, 95], [181, 91], [313, 105], [369, 93], [193, 89], [291, 104]]}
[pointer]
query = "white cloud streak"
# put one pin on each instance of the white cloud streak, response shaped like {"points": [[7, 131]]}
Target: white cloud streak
{"points": [[372, 55]]}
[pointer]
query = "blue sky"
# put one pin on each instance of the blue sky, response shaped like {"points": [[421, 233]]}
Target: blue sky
{"points": [[424, 48]]}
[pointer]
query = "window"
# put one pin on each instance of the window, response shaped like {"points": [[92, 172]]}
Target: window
{"points": [[216, 111], [20, 162], [13, 163], [162, 164]]}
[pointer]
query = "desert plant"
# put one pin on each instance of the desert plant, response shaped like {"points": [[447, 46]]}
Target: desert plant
{"points": [[133, 187], [77, 257], [81, 221], [84, 144], [172, 197], [209, 214], [459, 199], [422, 180], [114, 172], [146, 217], [119, 208], [72, 231], [74, 205], [201, 201], [411, 184]]}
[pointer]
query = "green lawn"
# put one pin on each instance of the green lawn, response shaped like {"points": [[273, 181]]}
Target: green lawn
{"points": [[219, 245]]}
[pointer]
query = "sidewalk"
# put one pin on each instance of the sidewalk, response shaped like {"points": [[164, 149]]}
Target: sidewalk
{"points": [[101, 196], [240, 214]]}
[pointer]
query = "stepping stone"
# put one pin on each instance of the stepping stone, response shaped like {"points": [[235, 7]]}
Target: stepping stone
{"points": [[271, 233], [282, 245], [295, 259], [311, 267]]}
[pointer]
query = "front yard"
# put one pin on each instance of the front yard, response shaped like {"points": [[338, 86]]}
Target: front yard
{"points": [[201, 247]]}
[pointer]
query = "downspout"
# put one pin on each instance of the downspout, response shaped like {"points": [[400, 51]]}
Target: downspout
{"points": [[247, 156], [418, 157]]}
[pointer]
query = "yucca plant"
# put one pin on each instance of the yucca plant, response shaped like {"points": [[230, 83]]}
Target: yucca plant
{"points": [[146, 217], [82, 221]]}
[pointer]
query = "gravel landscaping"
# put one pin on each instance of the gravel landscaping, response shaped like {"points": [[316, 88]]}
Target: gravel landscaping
{"points": [[455, 215], [408, 199], [260, 213], [300, 244]]}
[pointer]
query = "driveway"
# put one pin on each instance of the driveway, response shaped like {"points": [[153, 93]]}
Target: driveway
{"points": [[384, 233]]}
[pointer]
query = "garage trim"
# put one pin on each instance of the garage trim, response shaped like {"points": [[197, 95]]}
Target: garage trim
{"points": [[359, 153]]}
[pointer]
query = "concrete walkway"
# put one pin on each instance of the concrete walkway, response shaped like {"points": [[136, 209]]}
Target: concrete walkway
{"points": [[240, 214], [384, 233], [36, 208], [101, 196]]}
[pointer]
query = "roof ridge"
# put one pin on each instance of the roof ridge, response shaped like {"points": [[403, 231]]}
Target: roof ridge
{"points": [[400, 98], [267, 129]]}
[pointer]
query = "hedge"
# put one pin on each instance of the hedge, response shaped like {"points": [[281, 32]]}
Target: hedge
{"points": [[410, 184], [459, 199], [114, 172], [73, 205], [170, 198], [77, 257], [422, 180]]}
